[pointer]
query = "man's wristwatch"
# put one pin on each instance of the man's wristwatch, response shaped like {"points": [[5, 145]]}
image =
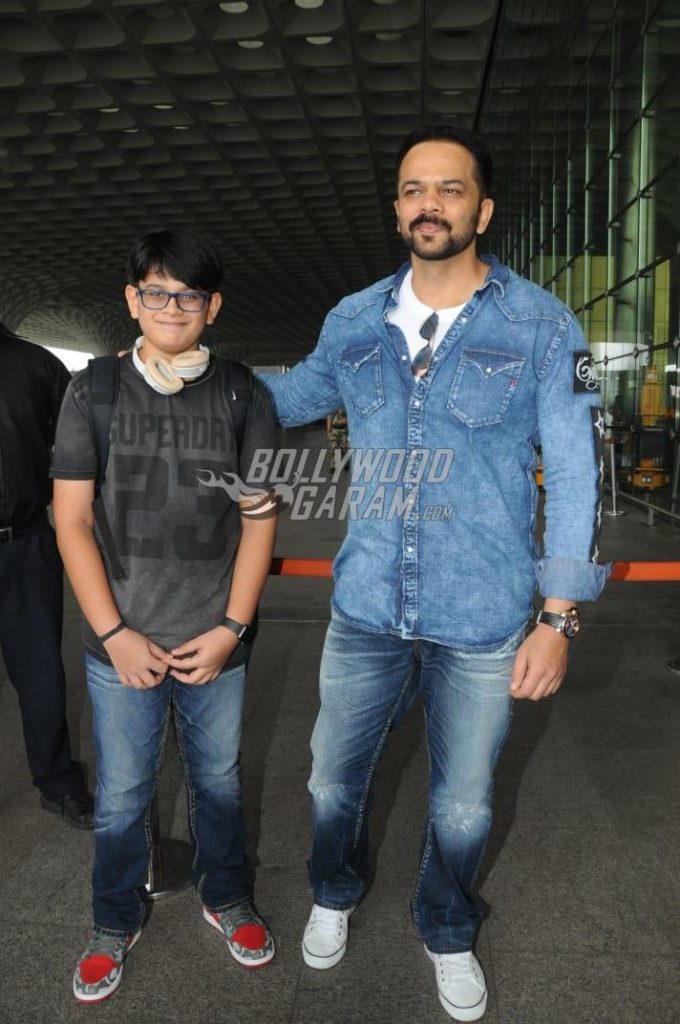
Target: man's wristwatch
{"points": [[245, 634], [567, 623]]}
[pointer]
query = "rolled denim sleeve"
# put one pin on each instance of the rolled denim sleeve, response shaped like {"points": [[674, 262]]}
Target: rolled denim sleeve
{"points": [[571, 429], [309, 391]]}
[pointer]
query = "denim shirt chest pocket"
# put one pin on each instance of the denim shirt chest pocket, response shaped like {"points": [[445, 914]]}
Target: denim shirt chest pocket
{"points": [[483, 386], [361, 371]]}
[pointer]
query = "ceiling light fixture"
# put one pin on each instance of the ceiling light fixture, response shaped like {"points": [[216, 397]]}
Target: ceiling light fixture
{"points": [[234, 7], [319, 40], [109, 110], [219, 103], [388, 37], [162, 106], [308, 5], [250, 44]]}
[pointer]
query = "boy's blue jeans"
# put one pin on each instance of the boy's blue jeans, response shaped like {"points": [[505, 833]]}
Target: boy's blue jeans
{"points": [[129, 731], [366, 678]]}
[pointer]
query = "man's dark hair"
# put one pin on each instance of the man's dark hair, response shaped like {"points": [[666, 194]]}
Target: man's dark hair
{"points": [[183, 255], [462, 137]]}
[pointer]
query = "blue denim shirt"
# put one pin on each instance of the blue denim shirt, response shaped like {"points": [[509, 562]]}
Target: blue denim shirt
{"points": [[511, 372]]}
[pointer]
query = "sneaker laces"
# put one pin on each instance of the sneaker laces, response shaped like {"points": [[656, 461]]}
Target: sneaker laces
{"points": [[103, 943], [241, 914], [456, 965], [326, 920]]}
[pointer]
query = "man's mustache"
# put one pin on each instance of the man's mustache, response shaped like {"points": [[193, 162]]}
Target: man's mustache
{"points": [[429, 218]]}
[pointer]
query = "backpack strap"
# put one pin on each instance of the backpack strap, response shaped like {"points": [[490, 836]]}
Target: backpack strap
{"points": [[103, 374], [239, 391]]}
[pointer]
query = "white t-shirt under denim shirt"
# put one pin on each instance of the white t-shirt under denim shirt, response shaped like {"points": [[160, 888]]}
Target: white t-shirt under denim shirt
{"points": [[410, 314]]}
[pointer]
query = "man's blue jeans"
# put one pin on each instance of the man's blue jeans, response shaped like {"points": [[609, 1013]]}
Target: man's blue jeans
{"points": [[129, 731], [365, 679]]}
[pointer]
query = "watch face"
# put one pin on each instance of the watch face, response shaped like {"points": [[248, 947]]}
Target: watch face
{"points": [[571, 626]]}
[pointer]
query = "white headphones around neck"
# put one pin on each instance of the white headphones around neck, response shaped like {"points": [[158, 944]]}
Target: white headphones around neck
{"points": [[167, 376]]}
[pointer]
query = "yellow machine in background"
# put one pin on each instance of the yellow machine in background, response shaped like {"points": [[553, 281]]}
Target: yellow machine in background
{"points": [[649, 472], [651, 405]]}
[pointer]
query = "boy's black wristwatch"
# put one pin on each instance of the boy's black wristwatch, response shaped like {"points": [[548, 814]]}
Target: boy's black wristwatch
{"points": [[245, 634], [568, 623]]}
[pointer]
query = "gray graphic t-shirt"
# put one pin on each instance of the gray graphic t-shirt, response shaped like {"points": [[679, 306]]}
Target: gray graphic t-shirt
{"points": [[175, 527]]}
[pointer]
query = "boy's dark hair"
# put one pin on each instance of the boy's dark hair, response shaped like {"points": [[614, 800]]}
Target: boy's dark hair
{"points": [[462, 137], [183, 255]]}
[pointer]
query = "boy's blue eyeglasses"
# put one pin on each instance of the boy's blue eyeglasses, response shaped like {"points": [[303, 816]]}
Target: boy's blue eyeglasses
{"points": [[188, 302]]}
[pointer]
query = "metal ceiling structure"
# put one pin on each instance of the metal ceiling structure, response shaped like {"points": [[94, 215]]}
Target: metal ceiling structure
{"points": [[270, 125]]}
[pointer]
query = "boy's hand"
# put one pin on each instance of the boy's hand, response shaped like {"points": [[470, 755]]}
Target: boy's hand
{"points": [[201, 660], [139, 662]]}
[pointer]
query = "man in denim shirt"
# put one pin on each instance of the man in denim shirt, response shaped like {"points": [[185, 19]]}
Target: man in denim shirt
{"points": [[454, 357]]}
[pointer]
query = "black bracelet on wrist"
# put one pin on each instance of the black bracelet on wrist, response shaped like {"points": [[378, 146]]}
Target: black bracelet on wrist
{"points": [[112, 632], [245, 634]]}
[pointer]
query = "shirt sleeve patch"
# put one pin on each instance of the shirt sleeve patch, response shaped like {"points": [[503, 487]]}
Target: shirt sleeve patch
{"points": [[586, 379]]}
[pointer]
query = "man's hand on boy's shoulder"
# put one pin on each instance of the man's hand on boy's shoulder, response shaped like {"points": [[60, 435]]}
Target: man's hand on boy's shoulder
{"points": [[139, 662], [202, 659]]}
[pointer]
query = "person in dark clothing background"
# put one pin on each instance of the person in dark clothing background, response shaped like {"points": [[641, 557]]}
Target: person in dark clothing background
{"points": [[32, 385]]}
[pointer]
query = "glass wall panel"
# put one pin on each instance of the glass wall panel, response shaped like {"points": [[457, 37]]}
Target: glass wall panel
{"points": [[598, 219]]}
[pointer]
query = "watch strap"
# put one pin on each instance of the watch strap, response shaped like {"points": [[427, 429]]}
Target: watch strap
{"points": [[554, 619], [566, 622]]}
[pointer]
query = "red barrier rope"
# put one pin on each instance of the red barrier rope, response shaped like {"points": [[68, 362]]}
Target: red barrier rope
{"points": [[648, 572], [301, 567]]}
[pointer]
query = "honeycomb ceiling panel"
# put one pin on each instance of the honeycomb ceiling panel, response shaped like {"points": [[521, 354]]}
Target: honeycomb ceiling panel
{"points": [[270, 125]]}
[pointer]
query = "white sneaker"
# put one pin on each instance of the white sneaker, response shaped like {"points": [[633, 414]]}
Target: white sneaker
{"points": [[325, 939], [461, 984]]}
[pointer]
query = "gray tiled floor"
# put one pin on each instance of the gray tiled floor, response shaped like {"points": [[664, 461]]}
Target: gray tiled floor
{"points": [[581, 873]]}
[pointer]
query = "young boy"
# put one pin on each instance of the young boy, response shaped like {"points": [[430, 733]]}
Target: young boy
{"points": [[174, 630]]}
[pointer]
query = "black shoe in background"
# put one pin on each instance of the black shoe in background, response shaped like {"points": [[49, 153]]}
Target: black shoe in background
{"points": [[76, 811]]}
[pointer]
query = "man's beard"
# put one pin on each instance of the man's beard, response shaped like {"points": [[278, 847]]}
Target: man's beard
{"points": [[445, 247]]}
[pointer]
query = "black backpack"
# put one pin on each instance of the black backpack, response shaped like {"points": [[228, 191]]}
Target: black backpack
{"points": [[103, 376]]}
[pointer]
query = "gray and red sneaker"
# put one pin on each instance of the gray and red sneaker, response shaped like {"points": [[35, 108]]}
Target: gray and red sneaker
{"points": [[248, 939], [100, 968]]}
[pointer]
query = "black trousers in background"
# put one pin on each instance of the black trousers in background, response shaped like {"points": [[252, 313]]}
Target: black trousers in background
{"points": [[31, 612]]}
